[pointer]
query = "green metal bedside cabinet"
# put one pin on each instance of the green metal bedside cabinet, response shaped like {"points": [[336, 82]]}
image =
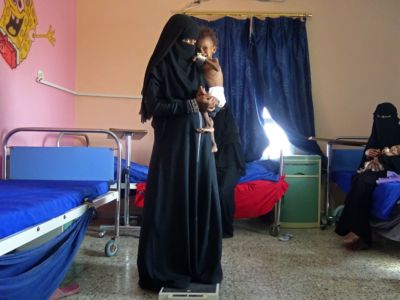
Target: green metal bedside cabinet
{"points": [[301, 203]]}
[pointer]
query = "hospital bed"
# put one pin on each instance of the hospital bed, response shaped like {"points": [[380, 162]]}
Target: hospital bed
{"points": [[258, 192], [344, 155], [131, 174], [127, 136], [46, 188]]}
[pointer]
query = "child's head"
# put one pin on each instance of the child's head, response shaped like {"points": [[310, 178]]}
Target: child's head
{"points": [[207, 43]]}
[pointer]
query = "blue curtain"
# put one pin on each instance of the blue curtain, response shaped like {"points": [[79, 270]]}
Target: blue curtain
{"points": [[240, 93], [36, 273], [282, 66], [266, 64]]}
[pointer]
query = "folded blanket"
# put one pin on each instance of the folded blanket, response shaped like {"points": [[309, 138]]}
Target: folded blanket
{"points": [[390, 177], [261, 170]]}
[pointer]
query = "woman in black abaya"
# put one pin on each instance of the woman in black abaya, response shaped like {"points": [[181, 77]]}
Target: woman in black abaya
{"points": [[354, 221], [181, 236]]}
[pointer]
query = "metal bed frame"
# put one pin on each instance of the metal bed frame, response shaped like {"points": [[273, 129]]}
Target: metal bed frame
{"points": [[352, 141], [61, 135], [126, 135], [25, 236], [276, 226]]}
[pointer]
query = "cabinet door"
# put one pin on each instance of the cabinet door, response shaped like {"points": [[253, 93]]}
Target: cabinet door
{"points": [[300, 205]]}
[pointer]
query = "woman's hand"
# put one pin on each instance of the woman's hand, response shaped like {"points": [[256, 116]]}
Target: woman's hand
{"points": [[205, 101], [375, 165], [371, 153]]}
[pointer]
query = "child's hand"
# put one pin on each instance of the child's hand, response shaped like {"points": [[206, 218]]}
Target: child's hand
{"points": [[200, 57]]}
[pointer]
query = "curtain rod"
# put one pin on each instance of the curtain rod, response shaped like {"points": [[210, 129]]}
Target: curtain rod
{"points": [[247, 14], [40, 79]]}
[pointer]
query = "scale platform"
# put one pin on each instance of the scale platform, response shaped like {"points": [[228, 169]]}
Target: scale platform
{"points": [[193, 291]]}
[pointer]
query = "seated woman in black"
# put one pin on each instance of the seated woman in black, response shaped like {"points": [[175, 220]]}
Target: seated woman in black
{"points": [[354, 221]]}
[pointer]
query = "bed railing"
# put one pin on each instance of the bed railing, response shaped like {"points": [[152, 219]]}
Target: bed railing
{"points": [[71, 131], [62, 134]]}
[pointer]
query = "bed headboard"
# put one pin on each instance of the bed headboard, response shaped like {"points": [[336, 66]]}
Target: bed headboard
{"points": [[62, 163], [346, 159]]}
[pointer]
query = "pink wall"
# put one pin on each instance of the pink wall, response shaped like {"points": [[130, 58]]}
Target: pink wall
{"points": [[24, 102]]}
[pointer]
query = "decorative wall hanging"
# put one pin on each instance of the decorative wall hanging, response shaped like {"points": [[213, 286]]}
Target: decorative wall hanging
{"points": [[18, 24]]}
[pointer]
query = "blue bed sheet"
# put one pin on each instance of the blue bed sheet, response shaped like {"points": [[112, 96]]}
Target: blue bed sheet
{"points": [[261, 170], [385, 198], [256, 170], [137, 172], [25, 203]]}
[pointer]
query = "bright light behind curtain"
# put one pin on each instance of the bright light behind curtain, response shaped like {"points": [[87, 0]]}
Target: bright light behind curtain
{"points": [[266, 64], [278, 140]]}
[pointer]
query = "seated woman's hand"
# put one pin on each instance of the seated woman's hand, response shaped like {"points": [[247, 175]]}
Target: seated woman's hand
{"points": [[375, 165], [371, 153]]}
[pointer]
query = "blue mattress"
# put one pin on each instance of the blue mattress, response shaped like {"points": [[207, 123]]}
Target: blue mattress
{"points": [[25, 203], [385, 198]]}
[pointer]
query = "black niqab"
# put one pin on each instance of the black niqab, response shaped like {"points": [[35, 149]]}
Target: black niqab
{"points": [[386, 128], [172, 60], [385, 133]]}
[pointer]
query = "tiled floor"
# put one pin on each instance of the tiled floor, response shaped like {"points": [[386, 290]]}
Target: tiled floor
{"points": [[312, 265]]}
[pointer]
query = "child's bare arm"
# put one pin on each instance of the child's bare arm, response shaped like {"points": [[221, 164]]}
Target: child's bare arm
{"points": [[213, 63]]}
